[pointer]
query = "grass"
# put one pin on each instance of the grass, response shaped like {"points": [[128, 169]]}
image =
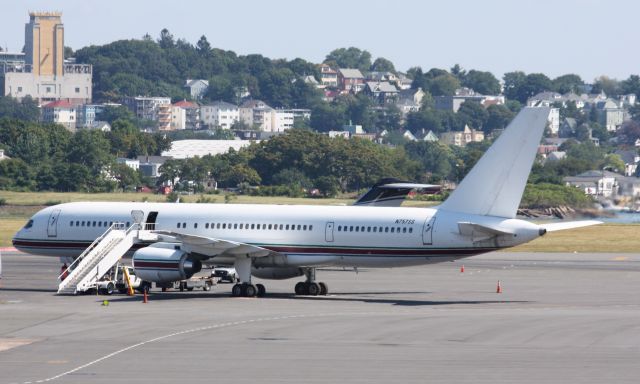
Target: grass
{"points": [[600, 238], [597, 238]]}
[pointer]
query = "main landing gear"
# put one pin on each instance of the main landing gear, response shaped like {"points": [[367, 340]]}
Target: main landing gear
{"points": [[245, 288], [310, 287]]}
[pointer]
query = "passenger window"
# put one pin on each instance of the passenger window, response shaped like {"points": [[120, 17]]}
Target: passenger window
{"points": [[392, 229], [195, 225], [299, 226], [269, 226], [386, 229], [357, 228], [362, 229], [94, 223], [178, 225], [105, 224], [287, 227], [77, 223], [374, 229], [264, 226], [404, 230], [235, 226], [110, 223], [351, 228], [368, 229], [128, 224], [240, 226], [218, 225], [224, 225], [311, 227], [83, 223], [206, 225], [304, 227], [71, 223], [410, 230], [253, 226], [281, 227]]}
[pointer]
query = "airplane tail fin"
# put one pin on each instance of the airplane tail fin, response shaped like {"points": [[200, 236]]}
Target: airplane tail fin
{"points": [[495, 185]]}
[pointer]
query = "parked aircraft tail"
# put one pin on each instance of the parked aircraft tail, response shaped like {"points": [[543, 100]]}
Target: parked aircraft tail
{"points": [[495, 185]]}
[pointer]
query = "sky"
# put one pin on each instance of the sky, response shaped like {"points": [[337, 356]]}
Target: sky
{"points": [[555, 37]]}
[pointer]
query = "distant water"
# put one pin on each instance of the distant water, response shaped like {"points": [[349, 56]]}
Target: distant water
{"points": [[623, 218]]}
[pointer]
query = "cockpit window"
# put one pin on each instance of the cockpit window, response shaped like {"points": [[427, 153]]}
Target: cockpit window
{"points": [[29, 224]]}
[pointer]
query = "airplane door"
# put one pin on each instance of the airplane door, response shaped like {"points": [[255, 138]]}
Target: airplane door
{"points": [[328, 233], [151, 220], [52, 227], [137, 216], [427, 231]]}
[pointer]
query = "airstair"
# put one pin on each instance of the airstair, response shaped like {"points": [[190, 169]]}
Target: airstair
{"points": [[101, 256]]}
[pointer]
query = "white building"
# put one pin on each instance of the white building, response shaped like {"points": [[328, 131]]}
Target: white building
{"points": [[197, 88], [156, 109], [281, 120], [184, 149], [257, 113], [131, 163], [462, 138], [219, 114], [60, 112]]}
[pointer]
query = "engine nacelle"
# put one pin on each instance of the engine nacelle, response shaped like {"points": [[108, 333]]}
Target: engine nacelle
{"points": [[164, 262], [276, 273]]}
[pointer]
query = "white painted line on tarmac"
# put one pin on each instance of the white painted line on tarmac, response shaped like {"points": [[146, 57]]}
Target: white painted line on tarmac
{"points": [[207, 328]]}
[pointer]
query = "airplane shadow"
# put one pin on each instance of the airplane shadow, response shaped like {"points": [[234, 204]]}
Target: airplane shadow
{"points": [[27, 290], [335, 297]]}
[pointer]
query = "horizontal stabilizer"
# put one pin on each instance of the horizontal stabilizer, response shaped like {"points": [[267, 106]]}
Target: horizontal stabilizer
{"points": [[551, 227], [471, 229]]}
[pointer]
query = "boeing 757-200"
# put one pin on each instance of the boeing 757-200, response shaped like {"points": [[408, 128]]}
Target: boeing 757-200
{"points": [[287, 241]]}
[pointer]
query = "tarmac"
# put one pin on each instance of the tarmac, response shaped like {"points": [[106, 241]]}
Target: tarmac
{"points": [[561, 318]]}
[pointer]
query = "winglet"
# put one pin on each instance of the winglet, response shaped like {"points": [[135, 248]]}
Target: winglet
{"points": [[495, 185]]}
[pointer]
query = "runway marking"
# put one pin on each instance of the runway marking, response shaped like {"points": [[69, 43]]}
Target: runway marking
{"points": [[206, 328], [10, 343]]}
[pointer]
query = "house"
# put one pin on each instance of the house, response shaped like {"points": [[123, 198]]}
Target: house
{"points": [[430, 136], [150, 165], [157, 109], [568, 127], [610, 114], [381, 92], [219, 114], [281, 120], [462, 138], [595, 183], [453, 103], [350, 80], [378, 76], [3, 156], [60, 112], [328, 76], [409, 136], [197, 88], [131, 163], [630, 159], [185, 115], [97, 125], [403, 82], [556, 155], [256, 113]]}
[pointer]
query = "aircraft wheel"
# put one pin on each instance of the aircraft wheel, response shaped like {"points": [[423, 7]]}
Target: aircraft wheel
{"points": [[301, 289], [250, 290], [236, 291], [324, 289], [110, 288], [261, 290], [313, 288]]}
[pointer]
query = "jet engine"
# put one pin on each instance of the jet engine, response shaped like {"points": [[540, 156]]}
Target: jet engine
{"points": [[276, 273], [164, 262]]}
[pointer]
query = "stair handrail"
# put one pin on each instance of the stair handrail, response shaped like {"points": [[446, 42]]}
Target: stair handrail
{"points": [[79, 259]]}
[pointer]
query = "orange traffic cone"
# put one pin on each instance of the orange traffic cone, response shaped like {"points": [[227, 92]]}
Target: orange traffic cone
{"points": [[144, 297], [462, 269], [499, 288]]}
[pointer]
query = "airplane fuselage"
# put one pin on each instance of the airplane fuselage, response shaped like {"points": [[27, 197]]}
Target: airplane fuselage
{"points": [[298, 235]]}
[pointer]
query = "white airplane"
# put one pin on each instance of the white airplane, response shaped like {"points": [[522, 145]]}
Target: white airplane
{"points": [[287, 241]]}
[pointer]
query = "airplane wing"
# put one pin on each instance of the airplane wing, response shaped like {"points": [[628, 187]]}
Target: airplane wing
{"points": [[209, 246], [551, 227], [392, 192]]}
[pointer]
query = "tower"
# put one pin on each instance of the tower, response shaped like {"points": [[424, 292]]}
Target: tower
{"points": [[44, 43]]}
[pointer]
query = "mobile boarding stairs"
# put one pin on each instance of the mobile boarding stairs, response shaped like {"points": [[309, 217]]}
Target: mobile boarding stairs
{"points": [[98, 259]]}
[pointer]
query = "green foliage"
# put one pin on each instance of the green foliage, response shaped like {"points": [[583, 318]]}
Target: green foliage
{"points": [[519, 86], [26, 109], [568, 83], [546, 195], [350, 58], [382, 65], [473, 114], [484, 83], [498, 117]]}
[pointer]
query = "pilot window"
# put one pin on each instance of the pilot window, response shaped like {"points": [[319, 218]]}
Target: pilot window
{"points": [[29, 224]]}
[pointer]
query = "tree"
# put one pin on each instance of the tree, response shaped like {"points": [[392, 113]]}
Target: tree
{"points": [[26, 109], [631, 85], [325, 117], [125, 175], [499, 116], [610, 87], [568, 83], [202, 46], [482, 82], [473, 114], [443, 85], [512, 83], [382, 65], [166, 40], [351, 57]]}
